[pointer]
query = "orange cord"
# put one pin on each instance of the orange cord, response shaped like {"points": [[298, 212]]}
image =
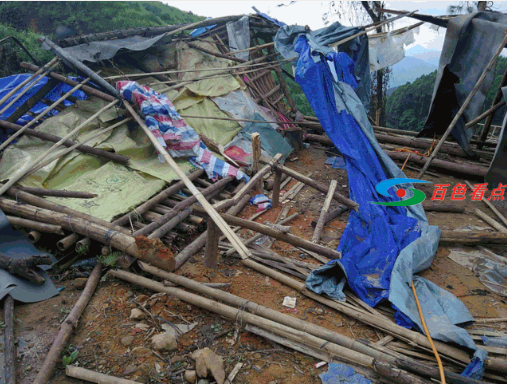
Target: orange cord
{"points": [[440, 366], [405, 163]]}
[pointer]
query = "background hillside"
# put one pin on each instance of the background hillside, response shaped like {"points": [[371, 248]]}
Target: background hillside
{"points": [[28, 20], [408, 70], [408, 105]]}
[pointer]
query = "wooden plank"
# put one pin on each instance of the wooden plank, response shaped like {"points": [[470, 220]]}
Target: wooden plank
{"points": [[211, 254]]}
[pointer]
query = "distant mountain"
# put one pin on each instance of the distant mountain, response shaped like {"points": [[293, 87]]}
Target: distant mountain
{"points": [[408, 70], [430, 56], [390, 91]]}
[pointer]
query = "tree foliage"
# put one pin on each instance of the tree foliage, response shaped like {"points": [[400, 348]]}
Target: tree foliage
{"points": [[408, 106]]}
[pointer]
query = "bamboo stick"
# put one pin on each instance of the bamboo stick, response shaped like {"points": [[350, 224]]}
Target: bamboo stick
{"points": [[318, 186], [41, 227], [20, 175], [256, 153], [332, 215], [463, 107], [33, 236], [276, 188], [54, 139], [67, 327], [211, 253], [44, 203], [35, 119], [257, 178], [286, 237], [495, 224], [491, 206], [23, 83], [259, 235], [324, 212], [9, 341], [94, 377], [194, 247], [57, 193], [489, 113], [66, 242], [70, 149]]}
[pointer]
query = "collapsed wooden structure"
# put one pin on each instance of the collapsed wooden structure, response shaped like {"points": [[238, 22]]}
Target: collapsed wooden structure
{"points": [[211, 208]]}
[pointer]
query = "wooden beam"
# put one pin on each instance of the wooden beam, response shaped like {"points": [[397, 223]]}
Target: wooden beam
{"points": [[324, 212], [211, 254]]}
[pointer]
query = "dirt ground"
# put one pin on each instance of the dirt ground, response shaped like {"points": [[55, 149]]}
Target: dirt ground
{"points": [[100, 337]]}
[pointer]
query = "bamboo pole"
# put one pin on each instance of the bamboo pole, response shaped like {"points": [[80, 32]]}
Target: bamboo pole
{"points": [[233, 314], [257, 178], [259, 235], [41, 227], [286, 237], [67, 241], [324, 212], [46, 68], [57, 193], [20, 175], [35, 119], [44, 203], [332, 215], [463, 107], [256, 152], [211, 253], [276, 188], [318, 186], [9, 341], [495, 224], [94, 377], [33, 236], [67, 327], [158, 228], [489, 113], [159, 257], [491, 206], [57, 155], [194, 247], [54, 139], [161, 196]]}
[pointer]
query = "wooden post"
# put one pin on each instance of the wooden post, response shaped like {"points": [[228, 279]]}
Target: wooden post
{"points": [[463, 107], [9, 341], [495, 224], [94, 377], [323, 213], [256, 153], [211, 255], [67, 327], [276, 188]]}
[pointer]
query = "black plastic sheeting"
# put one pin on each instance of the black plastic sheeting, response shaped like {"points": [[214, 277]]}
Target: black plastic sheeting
{"points": [[497, 172], [15, 245], [96, 51], [470, 43]]}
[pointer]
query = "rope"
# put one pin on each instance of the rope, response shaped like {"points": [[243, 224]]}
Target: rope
{"points": [[70, 224], [108, 237], [440, 366]]}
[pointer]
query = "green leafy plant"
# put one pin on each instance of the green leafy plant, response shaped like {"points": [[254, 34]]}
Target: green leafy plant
{"points": [[71, 358], [110, 259]]}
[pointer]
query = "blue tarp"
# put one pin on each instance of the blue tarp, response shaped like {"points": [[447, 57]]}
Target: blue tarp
{"points": [[9, 83], [382, 246], [200, 31], [342, 374]]}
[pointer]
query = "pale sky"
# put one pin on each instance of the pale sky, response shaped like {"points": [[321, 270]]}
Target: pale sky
{"points": [[310, 13]]}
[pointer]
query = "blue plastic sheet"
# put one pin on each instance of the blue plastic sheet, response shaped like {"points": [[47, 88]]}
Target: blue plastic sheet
{"points": [[382, 246], [200, 31], [9, 83], [336, 162], [342, 374]]}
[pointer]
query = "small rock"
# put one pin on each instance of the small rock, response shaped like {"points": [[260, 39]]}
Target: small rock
{"points": [[190, 376], [129, 294], [29, 368], [102, 362], [142, 326], [257, 355], [164, 341], [141, 352], [137, 314], [203, 381], [130, 369], [80, 282], [176, 359], [319, 311], [272, 382], [31, 345], [101, 367], [142, 298], [206, 361], [126, 341]]}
